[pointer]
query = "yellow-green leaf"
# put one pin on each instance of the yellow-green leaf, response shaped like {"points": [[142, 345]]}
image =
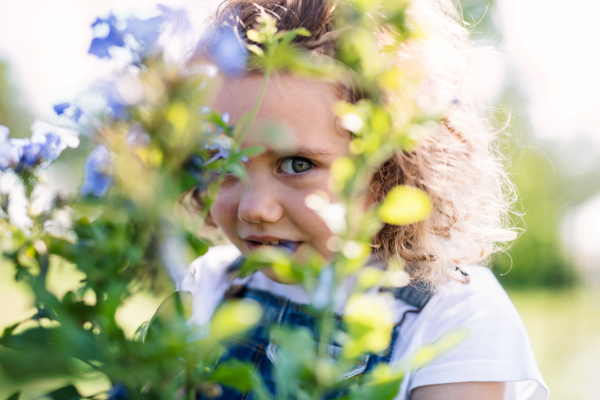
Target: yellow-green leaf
{"points": [[256, 50], [178, 115], [253, 35], [405, 205], [233, 318]]}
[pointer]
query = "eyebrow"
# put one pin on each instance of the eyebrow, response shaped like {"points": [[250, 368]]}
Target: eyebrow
{"points": [[301, 152]]}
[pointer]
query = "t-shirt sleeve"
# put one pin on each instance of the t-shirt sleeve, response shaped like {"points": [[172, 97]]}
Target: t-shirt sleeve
{"points": [[496, 347], [207, 281]]}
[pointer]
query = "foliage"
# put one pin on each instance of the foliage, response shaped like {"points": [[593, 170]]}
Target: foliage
{"points": [[549, 182], [157, 139]]}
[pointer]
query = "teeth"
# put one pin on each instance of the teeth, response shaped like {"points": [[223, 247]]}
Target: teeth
{"points": [[274, 243]]}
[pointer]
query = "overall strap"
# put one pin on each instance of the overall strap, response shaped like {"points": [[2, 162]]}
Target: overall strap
{"points": [[235, 291], [416, 295]]}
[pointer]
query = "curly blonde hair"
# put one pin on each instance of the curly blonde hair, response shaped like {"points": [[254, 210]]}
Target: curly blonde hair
{"points": [[458, 165]]}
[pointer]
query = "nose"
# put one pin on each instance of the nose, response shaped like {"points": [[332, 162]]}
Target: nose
{"points": [[259, 204]]}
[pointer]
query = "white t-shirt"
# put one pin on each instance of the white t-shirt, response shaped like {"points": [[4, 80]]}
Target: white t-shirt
{"points": [[496, 349]]}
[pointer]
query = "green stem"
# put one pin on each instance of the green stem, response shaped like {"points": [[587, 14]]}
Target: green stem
{"points": [[190, 392], [254, 111]]}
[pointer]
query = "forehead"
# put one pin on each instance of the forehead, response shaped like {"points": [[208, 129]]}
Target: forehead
{"points": [[293, 110]]}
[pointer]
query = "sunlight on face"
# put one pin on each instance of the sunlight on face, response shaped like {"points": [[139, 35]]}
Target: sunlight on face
{"points": [[297, 128]]}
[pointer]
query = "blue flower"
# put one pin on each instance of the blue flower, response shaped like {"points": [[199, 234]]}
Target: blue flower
{"points": [[177, 18], [114, 37], [115, 101], [97, 169], [68, 109], [227, 50], [46, 144], [52, 139], [143, 32]]}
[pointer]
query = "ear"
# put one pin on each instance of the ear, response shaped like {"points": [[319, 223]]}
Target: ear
{"points": [[209, 221]]}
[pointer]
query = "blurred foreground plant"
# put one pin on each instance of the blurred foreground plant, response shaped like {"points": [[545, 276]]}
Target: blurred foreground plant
{"points": [[154, 139]]}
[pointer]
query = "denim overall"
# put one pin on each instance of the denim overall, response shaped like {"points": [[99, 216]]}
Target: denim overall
{"points": [[258, 349]]}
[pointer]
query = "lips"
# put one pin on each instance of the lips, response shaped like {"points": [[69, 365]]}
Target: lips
{"points": [[260, 242]]}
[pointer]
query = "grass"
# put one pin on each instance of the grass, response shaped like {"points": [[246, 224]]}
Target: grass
{"points": [[564, 330]]}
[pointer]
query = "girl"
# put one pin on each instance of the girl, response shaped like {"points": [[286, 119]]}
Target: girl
{"points": [[457, 167]]}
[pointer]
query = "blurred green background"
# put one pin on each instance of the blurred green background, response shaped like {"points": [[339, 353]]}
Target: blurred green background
{"points": [[553, 286]]}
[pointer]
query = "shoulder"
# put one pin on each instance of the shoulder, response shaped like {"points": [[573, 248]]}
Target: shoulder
{"points": [[480, 302], [207, 280], [496, 347]]}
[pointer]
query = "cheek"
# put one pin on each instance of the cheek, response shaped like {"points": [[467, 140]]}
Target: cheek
{"points": [[225, 210]]}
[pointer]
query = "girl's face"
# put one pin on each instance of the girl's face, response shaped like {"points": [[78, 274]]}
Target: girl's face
{"points": [[296, 127]]}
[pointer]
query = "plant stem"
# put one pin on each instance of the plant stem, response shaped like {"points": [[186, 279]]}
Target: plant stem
{"points": [[254, 111]]}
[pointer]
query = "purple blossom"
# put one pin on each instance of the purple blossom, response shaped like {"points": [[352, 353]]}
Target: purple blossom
{"points": [[222, 147], [97, 170]]}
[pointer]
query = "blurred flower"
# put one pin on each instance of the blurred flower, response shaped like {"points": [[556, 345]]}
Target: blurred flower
{"points": [[136, 137], [69, 110], [108, 35], [222, 146], [137, 36], [46, 144], [6, 150], [177, 18], [55, 139], [227, 50], [97, 177], [11, 186], [114, 100], [144, 32]]}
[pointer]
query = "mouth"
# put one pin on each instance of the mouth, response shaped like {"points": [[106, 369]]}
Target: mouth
{"points": [[258, 243]]}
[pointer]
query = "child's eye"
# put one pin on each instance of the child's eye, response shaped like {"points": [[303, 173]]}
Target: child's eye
{"points": [[296, 165]]}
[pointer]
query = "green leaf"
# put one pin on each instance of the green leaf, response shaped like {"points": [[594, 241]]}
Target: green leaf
{"points": [[15, 395], [252, 151], [199, 246], [65, 393], [381, 384], [171, 316], [405, 205], [234, 373], [233, 318], [10, 329]]}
